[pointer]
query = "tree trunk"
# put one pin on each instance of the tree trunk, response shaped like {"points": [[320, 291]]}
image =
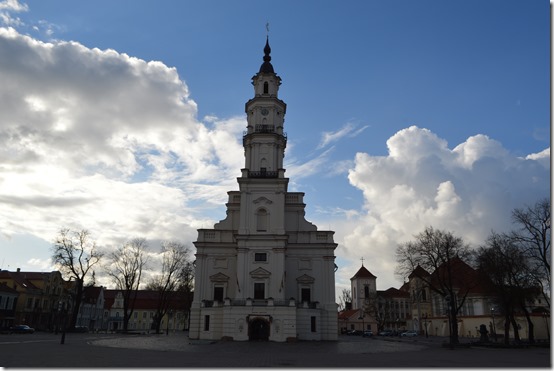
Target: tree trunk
{"points": [[126, 314], [514, 326], [507, 330], [454, 326], [77, 303], [530, 325]]}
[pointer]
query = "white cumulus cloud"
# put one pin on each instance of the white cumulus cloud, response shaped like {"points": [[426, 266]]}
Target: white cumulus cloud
{"points": [[469, 190], [100, 140]]}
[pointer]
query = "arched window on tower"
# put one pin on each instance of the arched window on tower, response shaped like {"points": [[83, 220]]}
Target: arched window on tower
{"points": [[261, 225], [266, 87], [366, 292]]}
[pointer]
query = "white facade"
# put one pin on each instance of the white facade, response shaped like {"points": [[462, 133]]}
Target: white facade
{"points": [[264, 272]]}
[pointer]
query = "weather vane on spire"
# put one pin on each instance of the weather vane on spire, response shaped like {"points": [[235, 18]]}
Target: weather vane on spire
{"points": [[362, 259], [267, 28]]}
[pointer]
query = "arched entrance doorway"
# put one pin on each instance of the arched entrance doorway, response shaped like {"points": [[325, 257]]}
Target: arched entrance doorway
{"points": [[258, 329]]}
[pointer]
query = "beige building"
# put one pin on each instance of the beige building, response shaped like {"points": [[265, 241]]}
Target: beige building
{"points": [[414, 306], [264, 272], [41, 296]]}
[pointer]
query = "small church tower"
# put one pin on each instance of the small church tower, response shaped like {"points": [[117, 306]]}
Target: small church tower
{"points": [[364, 288], [264, 272]]}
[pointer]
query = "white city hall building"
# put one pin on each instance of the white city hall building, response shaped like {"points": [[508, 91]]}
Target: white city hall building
{"points": [[264, 272]]}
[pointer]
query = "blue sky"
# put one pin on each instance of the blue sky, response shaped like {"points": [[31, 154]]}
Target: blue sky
{"points": [[126, 117]]}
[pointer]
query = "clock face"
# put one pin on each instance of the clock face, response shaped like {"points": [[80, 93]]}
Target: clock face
{"points": [[265, 111]]}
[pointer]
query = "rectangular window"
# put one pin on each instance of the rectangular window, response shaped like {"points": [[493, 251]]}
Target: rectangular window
{"points": [[260, 257], [305, 295], [143, 314], [259, 290], [313, 324], [206, 323], [30, 303], [135, 315], [218, 293]]}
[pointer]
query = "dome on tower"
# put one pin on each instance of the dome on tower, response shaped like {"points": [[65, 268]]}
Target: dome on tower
{"points": [[266, 67]]}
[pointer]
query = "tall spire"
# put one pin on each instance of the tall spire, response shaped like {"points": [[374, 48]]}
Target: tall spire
{"points": [[266, 67]]}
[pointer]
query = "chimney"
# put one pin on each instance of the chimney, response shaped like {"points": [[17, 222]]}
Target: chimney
{"points": [[18, 270]]}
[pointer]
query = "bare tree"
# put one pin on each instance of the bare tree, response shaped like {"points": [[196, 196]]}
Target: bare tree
{"points": [[344, 299], [185, 290], [506, 267], [444, 255], [75, 253], [174, 260], [125, 269], [533, 237]]}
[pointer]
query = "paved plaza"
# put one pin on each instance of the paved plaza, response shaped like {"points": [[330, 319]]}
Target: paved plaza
{"points": [[176, 350]]}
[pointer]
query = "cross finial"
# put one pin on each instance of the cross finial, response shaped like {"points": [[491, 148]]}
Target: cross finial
{"points": [[362, 259]]}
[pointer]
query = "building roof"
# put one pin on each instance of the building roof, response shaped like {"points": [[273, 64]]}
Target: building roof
{"points": [[392, 293], [347, 314], [22, 279], [91, 294], [464, 277], [363, 273], [418, 272], [6, 289]]}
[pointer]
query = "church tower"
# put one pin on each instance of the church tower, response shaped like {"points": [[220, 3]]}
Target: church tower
{"points": [[264, 272]]}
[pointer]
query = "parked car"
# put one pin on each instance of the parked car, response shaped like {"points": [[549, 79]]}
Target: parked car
{"points": [[385, 333], [21, 329], [409, 333], [354, 332], [367, 334]]}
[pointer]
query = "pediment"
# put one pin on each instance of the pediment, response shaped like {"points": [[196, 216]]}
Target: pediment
{"points": [[219, 277], [305, 279], [260, 273]]}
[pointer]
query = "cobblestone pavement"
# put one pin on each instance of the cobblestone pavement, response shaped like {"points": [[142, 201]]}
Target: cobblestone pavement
{"points": [[177, 350]]}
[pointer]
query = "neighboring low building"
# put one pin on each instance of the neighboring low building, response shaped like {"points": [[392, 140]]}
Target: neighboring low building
{"points": [[39, 296], [393, 309], [414, 306], [144, 311], [91, 312], [8, 301]]}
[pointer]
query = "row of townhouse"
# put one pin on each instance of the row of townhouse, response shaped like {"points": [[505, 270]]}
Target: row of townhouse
{"points": [[32, 298], [43, 300], [102, 310], [414, 306]]}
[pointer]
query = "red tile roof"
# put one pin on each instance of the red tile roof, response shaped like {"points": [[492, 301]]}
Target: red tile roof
{"points": [[393, 293], [346, 314]]}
